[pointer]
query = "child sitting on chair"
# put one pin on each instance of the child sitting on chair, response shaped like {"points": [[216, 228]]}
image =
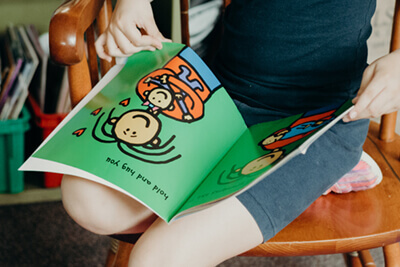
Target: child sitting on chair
{"points": [[277, 58]]}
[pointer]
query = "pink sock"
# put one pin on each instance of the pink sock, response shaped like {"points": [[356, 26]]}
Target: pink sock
{"points": [[365, 175]]}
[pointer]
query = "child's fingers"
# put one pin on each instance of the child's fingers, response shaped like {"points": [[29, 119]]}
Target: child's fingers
{"points": [[152, 30], [379, 91], [374, 103], [166, 40], [124, 45], [100, 50], [364, 99], [111, 47], [366, 79], [363, 105], [381, 104], [142, 40], [366, 108], [107, 47]]}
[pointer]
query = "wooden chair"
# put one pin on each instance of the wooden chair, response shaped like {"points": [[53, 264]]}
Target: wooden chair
{"points": [[353, 222]]}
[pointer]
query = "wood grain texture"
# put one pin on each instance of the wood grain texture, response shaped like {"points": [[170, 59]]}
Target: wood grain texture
{"points": [[366, 258], [79, 81], [92, 55], [352, 259], [388, 129], [392, 255], [122, 256]]}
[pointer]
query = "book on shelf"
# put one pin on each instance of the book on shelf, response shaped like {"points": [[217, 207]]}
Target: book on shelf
{"points": [[37, 88], [15, 61], [16, 101], [27, 69], [162, 129]]}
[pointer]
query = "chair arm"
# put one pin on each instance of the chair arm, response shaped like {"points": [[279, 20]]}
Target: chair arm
{"points": [[67, 28]]}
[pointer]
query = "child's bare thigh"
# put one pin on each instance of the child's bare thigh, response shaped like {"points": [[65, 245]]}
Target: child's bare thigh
{"points": [[102, 209]]}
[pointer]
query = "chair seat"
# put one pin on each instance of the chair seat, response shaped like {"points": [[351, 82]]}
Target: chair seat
{"points": [[347, 222]]}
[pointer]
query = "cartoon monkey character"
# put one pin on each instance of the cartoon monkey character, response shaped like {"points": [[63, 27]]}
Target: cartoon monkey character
{"points": [[165, 94], [160, 98], [306, 125], [251, 167], [132, 130], [180, 93], [262, 162], [274, 137], [136, 127]]}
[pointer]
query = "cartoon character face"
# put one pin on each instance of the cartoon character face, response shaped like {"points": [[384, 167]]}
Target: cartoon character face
{"points": [[136, 127], [273, 138], [159, 97], [261, 162]]}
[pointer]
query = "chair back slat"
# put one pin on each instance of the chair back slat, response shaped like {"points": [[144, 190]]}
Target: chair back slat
{"points": [[185, 35], [79, 81], [92, 55], [387, 128], [395, 39], [388, 122]]}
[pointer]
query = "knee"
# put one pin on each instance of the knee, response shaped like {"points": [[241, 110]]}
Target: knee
{"points": [[82, 200]]}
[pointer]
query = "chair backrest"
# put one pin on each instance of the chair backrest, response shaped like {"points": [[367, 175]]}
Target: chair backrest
{"points": [[69, 25], [74, 20], [388, 122]]}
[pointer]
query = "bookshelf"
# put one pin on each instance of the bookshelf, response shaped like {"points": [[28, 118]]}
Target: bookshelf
{"points": [[38, 13]]}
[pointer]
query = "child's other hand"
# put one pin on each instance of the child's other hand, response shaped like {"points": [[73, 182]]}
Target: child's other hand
{"points": [[123, 36], [380, 89]]}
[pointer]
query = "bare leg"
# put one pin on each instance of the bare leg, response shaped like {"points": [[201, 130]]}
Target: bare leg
{"points": [[103, 210], [206, 238]]}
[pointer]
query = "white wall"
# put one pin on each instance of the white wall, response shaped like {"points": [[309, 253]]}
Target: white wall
{"points": [[379, 42]]}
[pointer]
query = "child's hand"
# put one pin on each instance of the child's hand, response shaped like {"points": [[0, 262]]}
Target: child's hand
{"points": [[380, 89], [123, 36]]}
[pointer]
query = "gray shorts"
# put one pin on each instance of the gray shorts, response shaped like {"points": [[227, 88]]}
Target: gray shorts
{"points": [[286, 193]]}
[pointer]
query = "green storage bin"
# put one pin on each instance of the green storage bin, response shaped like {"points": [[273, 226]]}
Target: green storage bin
{"points": [[12, 153]]}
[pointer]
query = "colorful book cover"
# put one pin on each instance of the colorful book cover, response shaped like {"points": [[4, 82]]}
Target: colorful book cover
{"points": [[163, 130]]}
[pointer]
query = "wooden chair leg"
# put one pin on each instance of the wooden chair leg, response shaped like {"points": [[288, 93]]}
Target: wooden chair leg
{"points": [[391, 254], [366, 258], [122, 255], [112, 252], [352, 259]]}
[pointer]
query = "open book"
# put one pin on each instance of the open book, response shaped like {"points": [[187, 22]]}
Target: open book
{"points": [[162, 129]]}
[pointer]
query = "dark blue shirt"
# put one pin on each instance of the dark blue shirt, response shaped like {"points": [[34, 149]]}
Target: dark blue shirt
{"points": [[294, 55]]}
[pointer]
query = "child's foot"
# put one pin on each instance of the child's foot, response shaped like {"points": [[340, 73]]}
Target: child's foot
{"points": [[365, 175]]}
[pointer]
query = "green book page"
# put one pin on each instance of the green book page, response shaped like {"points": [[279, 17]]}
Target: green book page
{"points": [[182, 119], [259, 151]]}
